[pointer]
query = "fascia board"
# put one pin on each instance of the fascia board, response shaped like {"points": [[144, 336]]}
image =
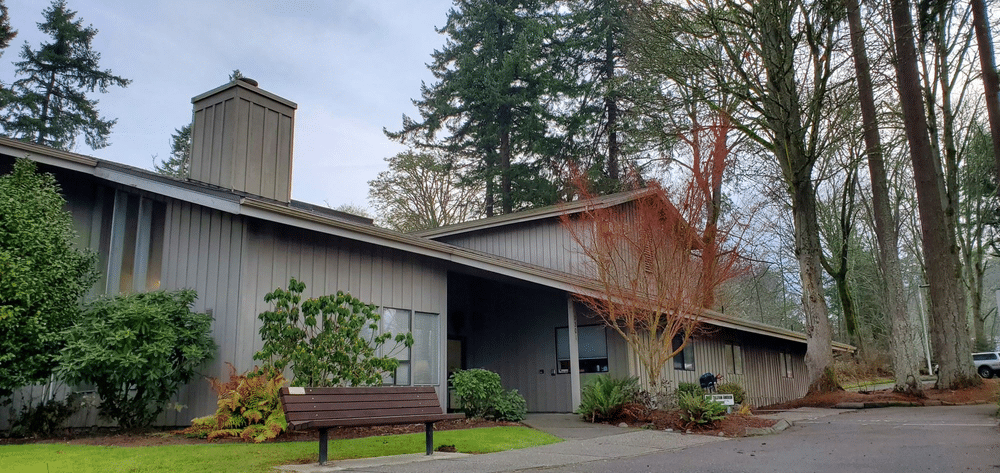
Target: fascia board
{"points": [[230, 205]]}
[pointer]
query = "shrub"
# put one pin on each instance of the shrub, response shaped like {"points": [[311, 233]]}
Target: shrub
{"points": [[510, 406], [331, 340], [604, 397], [695, 409], [249, 408], [43, 276], [476, 389], [689, 389], [137, 349], [481, 395], [44, 419], [732, 388]]}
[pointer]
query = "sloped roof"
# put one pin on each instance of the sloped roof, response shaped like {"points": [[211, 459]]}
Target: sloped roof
{"points": [[541, 213], [326, 221]]}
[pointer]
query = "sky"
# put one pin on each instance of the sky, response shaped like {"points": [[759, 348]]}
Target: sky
{"points": [[352, 66]]}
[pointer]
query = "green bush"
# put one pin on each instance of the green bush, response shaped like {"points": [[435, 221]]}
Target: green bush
{"points": [[732, 388], [476, 389], [137, 349], [331, 340], [43, 276], [604, 397], [249, 408], [481, 395], [45, 419], [510, 406], [695, 409], [689, 389]]}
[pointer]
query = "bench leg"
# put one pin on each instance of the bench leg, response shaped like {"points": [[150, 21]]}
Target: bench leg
{"points": [[323, 444], [429, 429]]}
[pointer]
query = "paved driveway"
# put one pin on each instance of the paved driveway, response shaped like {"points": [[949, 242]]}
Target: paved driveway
{"points": [[915, 439]]}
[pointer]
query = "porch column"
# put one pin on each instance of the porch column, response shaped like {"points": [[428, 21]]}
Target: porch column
{"points": [[574, 352]]}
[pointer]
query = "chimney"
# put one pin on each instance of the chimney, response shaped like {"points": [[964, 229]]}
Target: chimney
{"points": [[241, 139]]}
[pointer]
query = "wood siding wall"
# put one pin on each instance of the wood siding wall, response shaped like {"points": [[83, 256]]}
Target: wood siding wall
{"points": [[242, 140], [232, 261], [542, 243], [763, 378]]}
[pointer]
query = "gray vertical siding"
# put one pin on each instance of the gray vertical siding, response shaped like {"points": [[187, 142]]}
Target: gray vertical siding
{"points": [[763, 379], [510, 329], [544, 243], [242, 139], [200, 247]]}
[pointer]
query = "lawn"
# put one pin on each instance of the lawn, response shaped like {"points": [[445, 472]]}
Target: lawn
{"points": [[234, 457]]}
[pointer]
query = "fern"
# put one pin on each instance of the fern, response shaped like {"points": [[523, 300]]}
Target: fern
{"points": [[605, 397], [249, 408]]}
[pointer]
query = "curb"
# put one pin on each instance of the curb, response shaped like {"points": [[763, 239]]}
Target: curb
{"points": [[929, 402], [782, 424]]}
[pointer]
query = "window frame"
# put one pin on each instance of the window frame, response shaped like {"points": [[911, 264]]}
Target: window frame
{"points": [[683, 360], [587, 364]]}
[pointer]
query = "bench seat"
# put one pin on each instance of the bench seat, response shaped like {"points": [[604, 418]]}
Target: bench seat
{"points": [[324, 408]]}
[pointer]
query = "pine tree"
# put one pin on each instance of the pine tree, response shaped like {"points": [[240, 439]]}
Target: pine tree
{"points": [[50, 105], [488, 100], [180, 154]]}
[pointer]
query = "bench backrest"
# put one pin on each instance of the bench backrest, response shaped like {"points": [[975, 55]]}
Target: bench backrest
{"points": [[334, 404]]}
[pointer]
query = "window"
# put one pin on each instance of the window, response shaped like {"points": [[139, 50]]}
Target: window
{"points": [[419, 364], [592, 342], [684, 360], [786, 364], [734, 358], [132, 229]]}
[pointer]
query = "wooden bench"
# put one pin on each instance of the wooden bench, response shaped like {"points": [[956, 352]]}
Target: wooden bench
{"points": [[323, 408]]}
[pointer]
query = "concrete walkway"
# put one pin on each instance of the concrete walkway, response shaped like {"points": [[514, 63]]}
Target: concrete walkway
{"points": [[583, 442]]}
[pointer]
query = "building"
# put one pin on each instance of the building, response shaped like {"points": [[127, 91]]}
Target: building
{"points": [[493, 293]]}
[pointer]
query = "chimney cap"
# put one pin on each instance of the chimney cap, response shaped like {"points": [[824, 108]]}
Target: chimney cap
{"points": [[248, 81], [247, 86]]}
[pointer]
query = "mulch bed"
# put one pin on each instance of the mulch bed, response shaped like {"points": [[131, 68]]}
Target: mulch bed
{"points": [[984, 393]]}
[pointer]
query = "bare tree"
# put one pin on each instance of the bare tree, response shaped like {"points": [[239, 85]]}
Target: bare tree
{"points": [[422, 191], [655, 260]]}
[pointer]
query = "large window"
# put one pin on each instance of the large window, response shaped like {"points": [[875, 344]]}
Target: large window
{"points": [[592, 342], [683, 360], [734, 358], [418, 365], [132, 229]]}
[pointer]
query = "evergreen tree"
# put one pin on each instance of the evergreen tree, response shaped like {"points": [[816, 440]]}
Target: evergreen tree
{"points": [[50, 105], [180, 154], [6, 34], [594, 121], [488, 101]]}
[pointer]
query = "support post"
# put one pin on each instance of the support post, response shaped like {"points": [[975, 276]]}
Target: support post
{"points": [[574, 351], [429, 434], [323, 444]]}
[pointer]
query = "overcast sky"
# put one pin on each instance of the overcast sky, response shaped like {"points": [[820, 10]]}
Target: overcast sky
{"points": [[352, 66]]}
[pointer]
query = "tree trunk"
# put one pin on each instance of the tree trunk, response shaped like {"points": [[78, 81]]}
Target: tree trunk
{"points": [[784, 119], [947, 300], [902, 342], [506, 196], [991, 82], [611, 103]]}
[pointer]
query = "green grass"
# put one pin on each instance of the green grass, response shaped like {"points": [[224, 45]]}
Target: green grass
{"points": [[233, 457]]}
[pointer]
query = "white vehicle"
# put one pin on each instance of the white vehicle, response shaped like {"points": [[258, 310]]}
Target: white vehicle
{"points": [[987, 363]]}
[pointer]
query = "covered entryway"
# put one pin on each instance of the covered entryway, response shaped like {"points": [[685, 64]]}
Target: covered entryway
{"points": [[521, 331]]}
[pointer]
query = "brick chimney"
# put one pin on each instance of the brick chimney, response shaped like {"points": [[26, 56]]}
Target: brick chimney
{"points": [[242, 140]]}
